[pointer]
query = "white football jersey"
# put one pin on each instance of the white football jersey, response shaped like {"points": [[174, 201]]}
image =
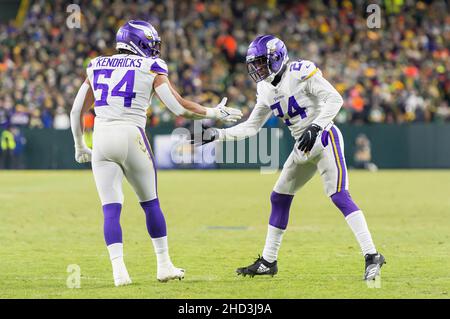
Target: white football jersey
{"points": [[301, 97], [123, 86]]}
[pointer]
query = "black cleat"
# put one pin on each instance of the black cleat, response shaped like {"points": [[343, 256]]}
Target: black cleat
{"points": [[259, 267], [374, 262]]}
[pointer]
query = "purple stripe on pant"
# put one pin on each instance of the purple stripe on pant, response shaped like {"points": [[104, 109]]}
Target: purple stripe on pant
{"points": [[281, 204], [341, 159], [149, 150], [324, 138], [111, 226], [156, 224]]}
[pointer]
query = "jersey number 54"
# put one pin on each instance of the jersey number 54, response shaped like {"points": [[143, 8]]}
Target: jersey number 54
{"points": [[127, 81]]}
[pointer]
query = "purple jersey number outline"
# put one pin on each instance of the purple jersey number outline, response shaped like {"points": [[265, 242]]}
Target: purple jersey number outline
{"points": [[293, 110], [296, 66], [102, 86], [127, 80], [128, 94]]}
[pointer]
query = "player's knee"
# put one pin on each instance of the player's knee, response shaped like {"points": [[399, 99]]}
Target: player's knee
{"points": [[112, 210], [344, 202], [281, 204], [110, 195], [151, 205], [111, 227], [281, 199], [152, 208], [156, 224]]}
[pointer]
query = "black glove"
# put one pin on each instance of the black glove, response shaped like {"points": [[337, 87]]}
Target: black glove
{"points": [[308, 138], [208, 135]]}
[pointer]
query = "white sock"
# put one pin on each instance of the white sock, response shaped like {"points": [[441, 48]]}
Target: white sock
{"points": [[116, 256], [115, 251], [162, 251], [273, 243], [358, 224]]}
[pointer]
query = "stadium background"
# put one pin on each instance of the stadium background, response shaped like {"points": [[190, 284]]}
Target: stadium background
{"points": [[394, 79], [395, 83]]}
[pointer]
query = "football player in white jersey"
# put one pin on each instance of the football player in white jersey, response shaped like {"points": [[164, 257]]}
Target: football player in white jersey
{"points": [[121, 88], [297, 93]]}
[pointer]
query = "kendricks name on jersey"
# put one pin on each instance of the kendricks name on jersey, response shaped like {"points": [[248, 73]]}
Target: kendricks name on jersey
{"points": [[114, 62]]}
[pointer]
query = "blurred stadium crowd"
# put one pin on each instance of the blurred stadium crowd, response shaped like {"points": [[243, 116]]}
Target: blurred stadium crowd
{"points": [[395, 74]]}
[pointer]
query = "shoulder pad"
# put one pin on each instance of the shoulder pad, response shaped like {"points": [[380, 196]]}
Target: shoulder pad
{"points": [[303, 69], [158, 66]]}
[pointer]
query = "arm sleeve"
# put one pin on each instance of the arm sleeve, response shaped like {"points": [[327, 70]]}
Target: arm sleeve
{"points": [[75, 114], [256, 120], [169, 100], [330, 99]]}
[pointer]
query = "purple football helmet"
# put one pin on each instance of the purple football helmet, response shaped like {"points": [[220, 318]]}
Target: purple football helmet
{"points": [[139, 37], [266, 56]]}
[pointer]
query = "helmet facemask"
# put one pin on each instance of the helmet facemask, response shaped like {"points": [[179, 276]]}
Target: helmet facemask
{"points": [[258, 68], [154, 47]]}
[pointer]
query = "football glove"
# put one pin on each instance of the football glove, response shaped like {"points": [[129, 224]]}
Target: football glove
{"points": [[208, 135], [224, 113], [83, 154], [308, 138]]}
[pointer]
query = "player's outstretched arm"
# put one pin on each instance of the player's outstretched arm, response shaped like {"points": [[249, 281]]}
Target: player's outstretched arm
{"points": [[252, 126], [183, 107], [83, 101]]}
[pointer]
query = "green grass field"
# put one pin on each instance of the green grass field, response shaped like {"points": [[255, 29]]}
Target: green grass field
{"points": [[217, 221]]}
